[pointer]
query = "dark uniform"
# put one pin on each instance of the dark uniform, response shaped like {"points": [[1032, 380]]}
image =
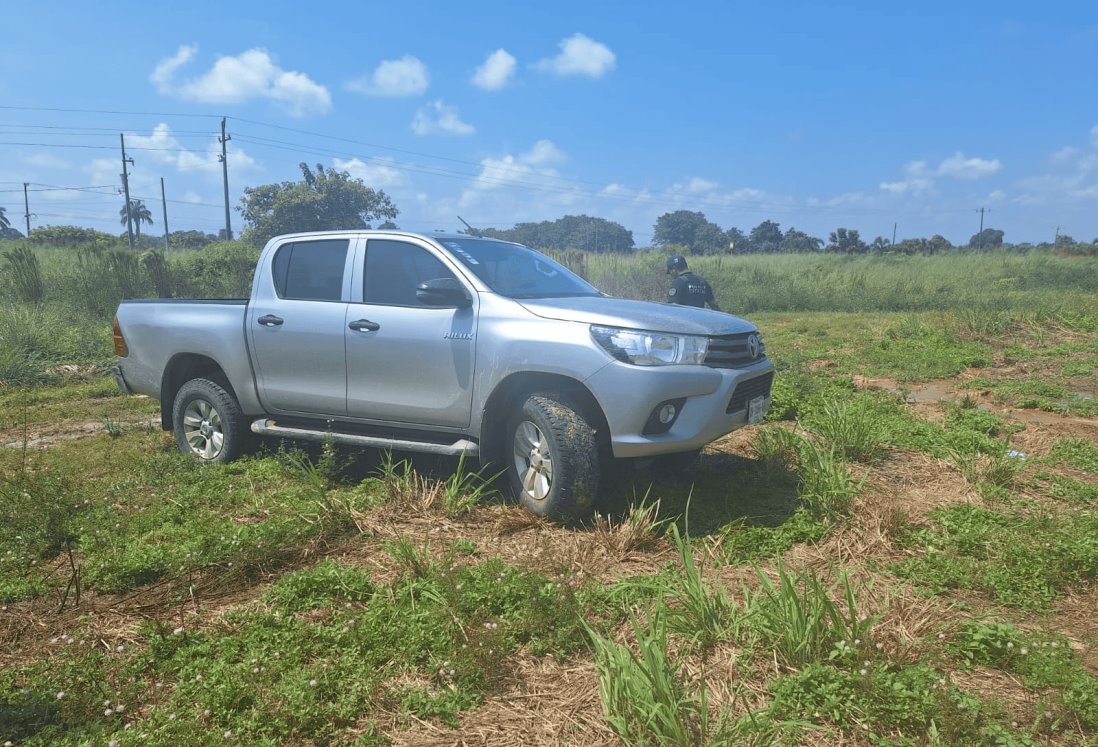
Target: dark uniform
{"points": [[689, 289]]}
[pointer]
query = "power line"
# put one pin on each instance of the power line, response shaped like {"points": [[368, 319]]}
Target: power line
{"points": [[106, 111]]}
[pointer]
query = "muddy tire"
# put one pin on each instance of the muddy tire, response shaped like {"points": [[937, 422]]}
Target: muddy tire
{"points": [[552, 458], [208, 423]]}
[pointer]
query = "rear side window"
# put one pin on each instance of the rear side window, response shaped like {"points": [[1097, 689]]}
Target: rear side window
{"points": [[310, 270], [395, 268]]}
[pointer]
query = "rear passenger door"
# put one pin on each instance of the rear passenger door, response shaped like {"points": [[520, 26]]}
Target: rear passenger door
{"points": [[296, 324]]}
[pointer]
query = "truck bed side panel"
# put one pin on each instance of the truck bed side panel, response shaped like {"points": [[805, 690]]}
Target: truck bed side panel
{"points": [[158, 331]]}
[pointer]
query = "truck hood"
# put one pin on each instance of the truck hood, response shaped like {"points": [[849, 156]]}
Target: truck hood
{"points": [[620, 312]]}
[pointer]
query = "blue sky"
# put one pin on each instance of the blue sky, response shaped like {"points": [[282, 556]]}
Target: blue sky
{"points": [[815, 115]]}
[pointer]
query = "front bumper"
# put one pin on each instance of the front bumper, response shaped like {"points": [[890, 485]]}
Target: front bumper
{"points": [[628, 394]]}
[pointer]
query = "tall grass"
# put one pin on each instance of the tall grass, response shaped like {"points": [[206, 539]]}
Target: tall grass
{"points": [[644, 697], [1040, 284]]}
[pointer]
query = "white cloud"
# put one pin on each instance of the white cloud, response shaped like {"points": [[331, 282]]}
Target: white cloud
{"points": [[959, 167], [541, 153], [377, 175], [580, 55], [163, 147], [1067, 154], [404, 77], [192, 197], [46, 161], [250, 75], [534, 167], [496, 71], [164, 74], [917, 180], [437, 117], [697, 185]]}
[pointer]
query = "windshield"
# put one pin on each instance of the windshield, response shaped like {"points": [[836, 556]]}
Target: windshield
{"points": [[517, 271]]}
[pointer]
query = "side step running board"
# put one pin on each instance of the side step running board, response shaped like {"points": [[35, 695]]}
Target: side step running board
{"points": [[266, 427]]}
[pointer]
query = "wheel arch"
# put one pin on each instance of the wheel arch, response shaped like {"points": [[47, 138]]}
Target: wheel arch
{"points": [[513, 391], [182, 368]]}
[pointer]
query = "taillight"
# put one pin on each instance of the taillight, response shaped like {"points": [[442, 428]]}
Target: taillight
{"points": [[120, 348]]}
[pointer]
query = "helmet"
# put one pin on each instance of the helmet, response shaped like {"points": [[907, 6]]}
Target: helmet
{"points": [[677, 262]]}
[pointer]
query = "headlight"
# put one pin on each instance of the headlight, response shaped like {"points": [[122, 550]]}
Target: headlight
{"points": [[650, 348]]}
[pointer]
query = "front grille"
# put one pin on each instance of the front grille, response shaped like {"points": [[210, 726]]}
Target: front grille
{"points": [[746, 391], [730, 351]]}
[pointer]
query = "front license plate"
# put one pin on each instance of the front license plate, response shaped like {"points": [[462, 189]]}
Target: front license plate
{"points": [[756, 408]]}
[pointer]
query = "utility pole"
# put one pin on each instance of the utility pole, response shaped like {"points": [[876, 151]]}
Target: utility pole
{"points": [[26, 209], [980, 236], [126, 189], [164, 202], [224, 158], [1057, 236], [893, 234]]}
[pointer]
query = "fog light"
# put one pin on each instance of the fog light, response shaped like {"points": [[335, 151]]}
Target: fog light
{"points": [[663, 416]]}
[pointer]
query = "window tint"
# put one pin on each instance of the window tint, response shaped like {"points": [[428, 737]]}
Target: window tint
{"points": [[310, 270], [394, 269]]}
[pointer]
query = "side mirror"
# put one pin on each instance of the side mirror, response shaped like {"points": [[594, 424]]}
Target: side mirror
{"points": [[443, 292]]}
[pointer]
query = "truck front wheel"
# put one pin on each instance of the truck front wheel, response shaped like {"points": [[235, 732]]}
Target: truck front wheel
{"points": [[207, 422], [553, 468]]}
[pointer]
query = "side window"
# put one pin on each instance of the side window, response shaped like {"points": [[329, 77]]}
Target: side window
{"points": [[310, 270], [394, 269]]}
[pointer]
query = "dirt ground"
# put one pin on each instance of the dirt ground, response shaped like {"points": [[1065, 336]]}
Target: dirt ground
{"points": [[552, 703]]}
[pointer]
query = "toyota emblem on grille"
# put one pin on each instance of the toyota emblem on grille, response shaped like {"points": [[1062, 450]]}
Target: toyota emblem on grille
{"points": [[753, 344]]}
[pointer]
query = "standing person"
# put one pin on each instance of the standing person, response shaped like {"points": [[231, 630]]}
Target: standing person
{"points": [[687, 288]]}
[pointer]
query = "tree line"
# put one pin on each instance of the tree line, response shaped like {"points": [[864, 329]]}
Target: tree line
{"points": [[330, 199]]}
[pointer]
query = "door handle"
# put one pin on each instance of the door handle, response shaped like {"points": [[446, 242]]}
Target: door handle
{"points": [[364, 325], [270, 320]]}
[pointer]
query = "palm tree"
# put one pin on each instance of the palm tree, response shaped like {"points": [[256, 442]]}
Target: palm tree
{"points": [[138, 214], [4, 222]]}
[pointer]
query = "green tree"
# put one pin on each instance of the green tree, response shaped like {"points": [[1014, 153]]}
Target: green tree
{"points": [[988, 238], [190, 239], [572, 232], [766, 237], [736, 240], [880, 244], [323, 200], [6, 231], [799, 242], [75, 236], [846, 241], [138, 214], [690, 229]]}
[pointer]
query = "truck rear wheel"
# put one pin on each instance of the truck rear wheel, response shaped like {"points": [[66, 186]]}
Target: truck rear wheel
{"points": [[207, 422], [553, 467]]}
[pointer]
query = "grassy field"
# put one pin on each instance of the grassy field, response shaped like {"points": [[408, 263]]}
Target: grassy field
{"points": [[905, 553]]}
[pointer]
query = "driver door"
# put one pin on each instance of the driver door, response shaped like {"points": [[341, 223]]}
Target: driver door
{"points": [[408, 363]]}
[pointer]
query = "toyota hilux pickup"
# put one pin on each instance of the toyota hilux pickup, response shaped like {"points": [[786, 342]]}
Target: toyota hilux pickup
{"points": [[448, 344]]}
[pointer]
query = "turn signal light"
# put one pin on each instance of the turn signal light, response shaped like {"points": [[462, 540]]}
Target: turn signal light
{"points": [[120, 348]]}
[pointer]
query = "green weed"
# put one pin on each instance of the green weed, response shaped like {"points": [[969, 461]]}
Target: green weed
{"points": [[798, 618], [1023, 559], [913, 350], [740, 542], [1080, 453], [644, 697], [850, 427], [1044, 661], [826, 485]]}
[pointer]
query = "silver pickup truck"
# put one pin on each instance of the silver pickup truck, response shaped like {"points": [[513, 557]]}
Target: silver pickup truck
{"points": [[444, 343]]}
